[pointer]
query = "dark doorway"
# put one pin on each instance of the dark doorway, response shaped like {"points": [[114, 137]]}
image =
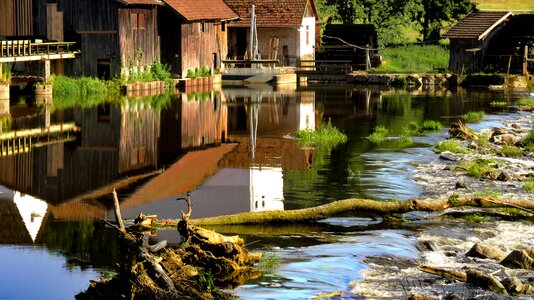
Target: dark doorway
{"points": [[103, 68]]}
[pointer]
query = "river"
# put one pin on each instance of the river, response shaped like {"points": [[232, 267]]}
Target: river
{"points": [[52, 243]]}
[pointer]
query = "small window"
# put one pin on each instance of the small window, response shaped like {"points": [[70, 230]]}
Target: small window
{"points": [[204, 27], [141, 21], [133, 20], [307, 35]]}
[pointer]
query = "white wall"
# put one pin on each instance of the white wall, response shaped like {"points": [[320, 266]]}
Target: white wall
{"points": [[307, 39]]}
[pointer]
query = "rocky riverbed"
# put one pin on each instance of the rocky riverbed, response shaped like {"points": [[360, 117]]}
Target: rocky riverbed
{"points": [[454, 244]]}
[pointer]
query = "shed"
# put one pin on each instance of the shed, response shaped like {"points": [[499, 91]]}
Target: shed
{"points": [[470, 37], [193, 33], [113, 35], [286, 29], [349, 42]]}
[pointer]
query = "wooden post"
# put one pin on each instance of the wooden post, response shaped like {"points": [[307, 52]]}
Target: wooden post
{"points": [[47, 70], [117, 210], [525, 61]]}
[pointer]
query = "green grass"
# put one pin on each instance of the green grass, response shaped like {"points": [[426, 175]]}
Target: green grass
{"points": [[488, 192], [526, 102], [413, 59], [529, 185], [430, 125], [473, 116], [479, 168], [528, 139], [379, 135], [451, 145], [324, 134], [505, 5], [476, 218], [268, 263], [64, 86], [498, 104], [510, 151]]}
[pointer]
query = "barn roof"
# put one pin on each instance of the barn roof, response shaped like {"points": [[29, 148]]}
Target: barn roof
{"points": [[477, 25], [197, 10], [273, 13], [141, 2]]}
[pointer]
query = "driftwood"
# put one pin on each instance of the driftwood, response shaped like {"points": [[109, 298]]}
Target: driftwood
{"points": [[205, 261], [367, 206], [460, 130], [445, 273]]}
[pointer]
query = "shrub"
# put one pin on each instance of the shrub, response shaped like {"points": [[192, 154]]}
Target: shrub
{"points": [[473, 116]]}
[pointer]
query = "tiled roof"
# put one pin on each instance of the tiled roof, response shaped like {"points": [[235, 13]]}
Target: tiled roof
{"points": [[141, 2], [477, 25], [270, 13], [197, 10]]}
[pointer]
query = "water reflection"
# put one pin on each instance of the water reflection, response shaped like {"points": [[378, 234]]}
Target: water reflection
{"points": [[237, 155]]}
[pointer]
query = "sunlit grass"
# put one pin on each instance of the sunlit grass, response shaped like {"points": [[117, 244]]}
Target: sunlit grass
{"points": [[473, 116], [413, 59], [451, 145], [498, 104], [324, 134], [526, 102], [431, 125], [510, 151], [478, 168], [379, 135], [529, 185], [505, 5]]}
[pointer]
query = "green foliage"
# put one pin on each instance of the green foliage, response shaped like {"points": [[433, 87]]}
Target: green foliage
{"points": [[5, 75], [5, 123], [432, 14], [268, 263], [479, 168], [78, 87], [529, 185], [473, 116], [528, 139], [476, 218], [526, 102], [498, 104], [325, 134], [206, 280], [199, 72], [413, 59], [454, 199], [510, 151], [430, 125], [379, 134], [488, 192], [451, 145]]}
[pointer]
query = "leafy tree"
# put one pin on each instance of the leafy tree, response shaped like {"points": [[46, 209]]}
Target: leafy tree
{"points": [[432, 13]]}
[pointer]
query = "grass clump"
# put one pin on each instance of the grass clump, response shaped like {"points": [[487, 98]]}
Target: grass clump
{"points": [[325, 134], [508, 150], [379, 135], [430, 125], [526, 102], [268, 263], [78, 87], [498, 104], [479, 168], [413, 59], [473, 116], [451, 145], [528, 139], [488, 192], [476, 218], [529, 185]]}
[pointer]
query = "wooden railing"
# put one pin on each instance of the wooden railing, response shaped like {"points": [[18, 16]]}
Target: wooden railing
{"points": [[326, 66], [245, 63], [18, 48]]}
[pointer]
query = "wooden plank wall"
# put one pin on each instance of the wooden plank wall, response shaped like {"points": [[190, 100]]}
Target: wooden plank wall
{"points": [[198, 47], [17, 171], [204, 121], [16, 18], [133, 39]]}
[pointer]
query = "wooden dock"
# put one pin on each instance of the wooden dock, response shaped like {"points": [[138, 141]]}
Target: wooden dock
{"points": [[21, 141]]}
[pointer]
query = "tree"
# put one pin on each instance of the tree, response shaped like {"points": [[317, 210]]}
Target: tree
{"points": [[432, 13]]}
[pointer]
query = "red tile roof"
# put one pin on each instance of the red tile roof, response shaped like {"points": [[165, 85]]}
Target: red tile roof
{"points": [[197, 10], [270, 13], [141, 2], [477, 25]]}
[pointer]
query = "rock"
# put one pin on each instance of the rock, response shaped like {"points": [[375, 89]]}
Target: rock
{"points": [[504, 177], [460, 185], [507, 138], [499, 131], [452, 296], [447, 158], [485, 281], [485, 251], [515, 286], [427, 246], [519, 259], [516, 126], [422, 297]]}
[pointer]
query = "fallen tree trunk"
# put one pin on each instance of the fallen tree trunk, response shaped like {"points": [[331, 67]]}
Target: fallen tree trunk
{"points": [[375, 207]]}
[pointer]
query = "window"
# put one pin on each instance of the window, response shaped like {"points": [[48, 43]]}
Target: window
{"points": [[204, 27], [137, 20], [307, 35]]}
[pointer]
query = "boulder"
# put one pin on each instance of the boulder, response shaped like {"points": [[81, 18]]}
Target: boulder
{"points": [[485, 251], [485, 281], [519, 259], [460, 185], [504, 177], [515, 286]]}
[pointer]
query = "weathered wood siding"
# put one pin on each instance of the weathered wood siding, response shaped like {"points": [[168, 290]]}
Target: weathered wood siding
{"points": [[17, 171], [199, 47], [16, 18], [204, 120], [139, 40]]}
